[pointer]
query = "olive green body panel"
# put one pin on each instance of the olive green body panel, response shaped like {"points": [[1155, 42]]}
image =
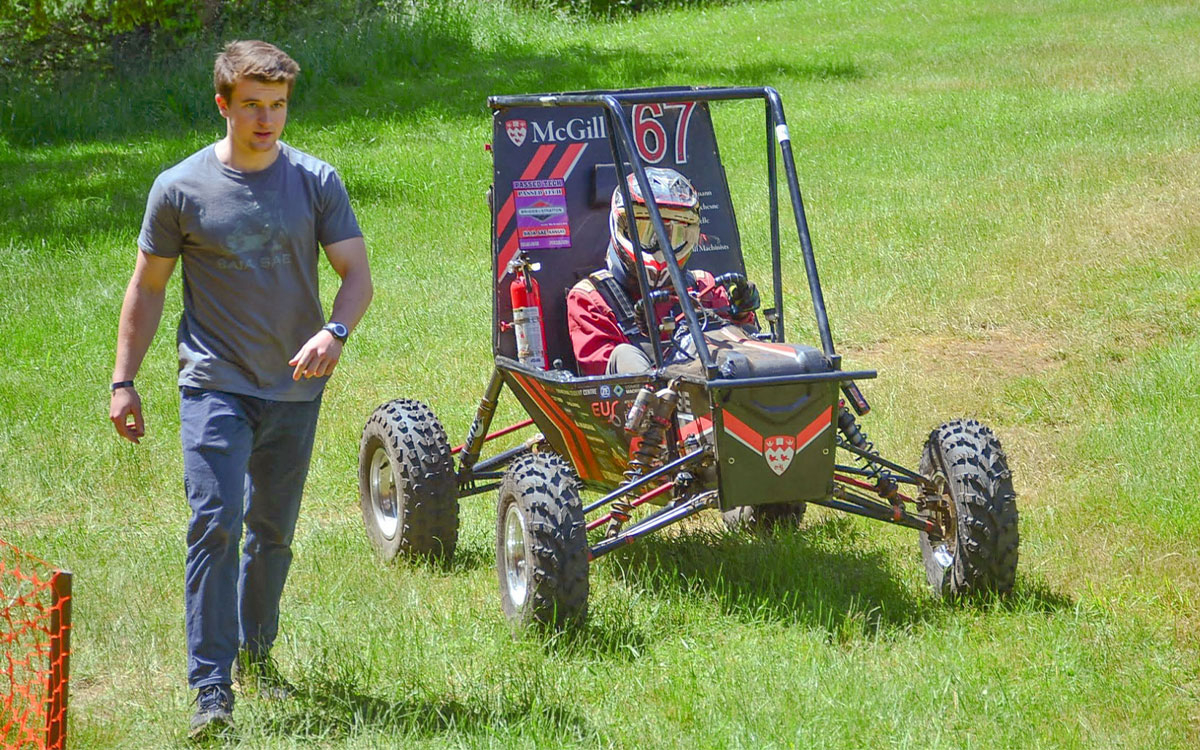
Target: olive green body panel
{"points": [[774, 443]]}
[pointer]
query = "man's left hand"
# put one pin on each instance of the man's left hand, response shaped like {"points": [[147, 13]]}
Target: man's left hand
{"points": [[317, 357]]}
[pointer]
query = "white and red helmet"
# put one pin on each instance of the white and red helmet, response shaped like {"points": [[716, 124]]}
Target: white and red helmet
{"points": [[679, 206]]}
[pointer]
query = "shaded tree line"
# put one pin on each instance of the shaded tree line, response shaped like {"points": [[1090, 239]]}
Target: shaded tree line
{"points": [[38, 37]]}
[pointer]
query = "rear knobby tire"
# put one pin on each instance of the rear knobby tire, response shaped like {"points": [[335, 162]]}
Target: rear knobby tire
{"points": [[776, 516], [541, 543], [980, 555], [406, 484]]}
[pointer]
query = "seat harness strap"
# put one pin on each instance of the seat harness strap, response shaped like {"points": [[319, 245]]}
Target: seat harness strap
{"points": [[619, 302]]}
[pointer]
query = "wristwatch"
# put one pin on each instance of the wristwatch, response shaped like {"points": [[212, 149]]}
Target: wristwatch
{"points": [[339, 331]]}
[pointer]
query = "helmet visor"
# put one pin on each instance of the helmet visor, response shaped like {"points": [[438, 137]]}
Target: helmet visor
{"points": [[682, 225]]}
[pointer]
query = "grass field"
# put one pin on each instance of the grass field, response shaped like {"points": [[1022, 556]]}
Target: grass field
{"points": [[1005, 202]]}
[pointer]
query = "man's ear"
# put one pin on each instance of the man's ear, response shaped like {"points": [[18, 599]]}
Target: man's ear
{"points": [[222, 105]]}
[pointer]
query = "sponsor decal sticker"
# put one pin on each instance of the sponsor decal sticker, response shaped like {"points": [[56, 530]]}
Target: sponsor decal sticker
{"points": [[541, 209], [516, 130]]}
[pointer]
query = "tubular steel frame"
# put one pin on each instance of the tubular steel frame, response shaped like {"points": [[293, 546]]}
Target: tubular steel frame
{"points": [[846, 492]]}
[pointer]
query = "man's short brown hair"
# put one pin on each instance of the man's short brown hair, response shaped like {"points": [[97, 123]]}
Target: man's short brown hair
{"points": [[255, 60]]}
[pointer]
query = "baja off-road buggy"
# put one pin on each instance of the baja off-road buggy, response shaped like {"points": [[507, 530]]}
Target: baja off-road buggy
{"points": [[752, 425]]}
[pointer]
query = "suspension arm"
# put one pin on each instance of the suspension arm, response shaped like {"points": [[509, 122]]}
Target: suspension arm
{"points": [[664, 517], [678, 463], [916, 478]]}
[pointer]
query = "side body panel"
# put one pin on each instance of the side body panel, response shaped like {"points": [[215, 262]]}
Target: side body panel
{"points": [[582, 419]]}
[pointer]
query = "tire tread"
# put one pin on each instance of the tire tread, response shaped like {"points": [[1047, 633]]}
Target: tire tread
{"points": [[548, 493], [424, 471], [980, 484]]}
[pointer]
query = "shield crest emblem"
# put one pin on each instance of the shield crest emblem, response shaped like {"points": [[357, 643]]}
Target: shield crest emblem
{"points": [[779, 450], [516, 130]]}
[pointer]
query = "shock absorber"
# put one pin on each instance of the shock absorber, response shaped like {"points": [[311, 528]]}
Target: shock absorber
{"points": [[648, 421], [885, 484]]}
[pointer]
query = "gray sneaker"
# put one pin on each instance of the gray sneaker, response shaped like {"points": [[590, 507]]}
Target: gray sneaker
{"points": [[214, 712], [257, 674]]}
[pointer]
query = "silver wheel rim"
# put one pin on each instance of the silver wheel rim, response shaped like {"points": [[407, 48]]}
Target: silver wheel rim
{"points": [[943, 556], [516, 565], [384, 505], [943, 552]]}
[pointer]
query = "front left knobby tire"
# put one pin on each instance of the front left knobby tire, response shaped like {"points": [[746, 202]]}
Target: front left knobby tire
{"points": [[406, 484], [976, 507], [541, 543]]}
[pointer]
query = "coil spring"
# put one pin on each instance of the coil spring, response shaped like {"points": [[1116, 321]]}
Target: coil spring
{"points": [[646, 454], [856, 436]]}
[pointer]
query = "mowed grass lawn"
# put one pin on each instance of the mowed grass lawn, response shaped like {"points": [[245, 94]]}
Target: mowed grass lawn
{"points": [[1005, 202]]}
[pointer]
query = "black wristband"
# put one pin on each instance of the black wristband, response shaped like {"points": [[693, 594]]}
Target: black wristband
{"points": [[337, 330], [120, 384]]}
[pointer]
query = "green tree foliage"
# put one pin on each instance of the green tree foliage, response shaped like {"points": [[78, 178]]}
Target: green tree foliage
{"points": [[611, 8], [46, 35]]}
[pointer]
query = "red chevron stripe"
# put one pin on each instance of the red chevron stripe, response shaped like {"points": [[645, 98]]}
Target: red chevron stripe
{"points": [[541, 402], [743, 432], [505, 215], [696, 427], [810, 433], [540, 157], [577, 446], [506, 254]]}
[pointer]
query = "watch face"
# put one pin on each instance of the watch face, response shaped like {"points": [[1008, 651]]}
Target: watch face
{"points": [[338, 330]]}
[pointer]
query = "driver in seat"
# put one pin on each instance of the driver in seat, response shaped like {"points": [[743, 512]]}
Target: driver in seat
{"points": [[607, 335]]}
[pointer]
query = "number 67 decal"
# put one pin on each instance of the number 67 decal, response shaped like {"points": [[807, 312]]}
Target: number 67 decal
{"points": [[651, 136]]}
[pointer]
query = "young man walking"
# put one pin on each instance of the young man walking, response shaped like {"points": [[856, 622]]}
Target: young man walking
{"points": [[247, 216]]}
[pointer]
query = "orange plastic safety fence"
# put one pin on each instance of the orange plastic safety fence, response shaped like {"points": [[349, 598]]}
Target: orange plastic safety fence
{"points": [[35, 620]]}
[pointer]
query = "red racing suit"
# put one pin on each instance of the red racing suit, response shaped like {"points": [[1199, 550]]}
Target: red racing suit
{"points": [[595, 330]]}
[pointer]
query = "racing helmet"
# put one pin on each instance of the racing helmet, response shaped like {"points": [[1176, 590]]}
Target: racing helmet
{"points": [[679, 206]]}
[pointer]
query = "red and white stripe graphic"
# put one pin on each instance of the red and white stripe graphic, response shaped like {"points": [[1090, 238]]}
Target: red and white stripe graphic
{"points": [[701, 427]]}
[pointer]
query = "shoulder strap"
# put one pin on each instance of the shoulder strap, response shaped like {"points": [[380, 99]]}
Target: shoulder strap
{"points": [[618, 301]]}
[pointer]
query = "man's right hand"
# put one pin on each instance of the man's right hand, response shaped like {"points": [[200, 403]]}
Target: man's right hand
{"points": [[125, 411]]}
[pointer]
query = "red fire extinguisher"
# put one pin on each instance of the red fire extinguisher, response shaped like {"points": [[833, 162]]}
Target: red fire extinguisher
{"points": [[527, 313]]}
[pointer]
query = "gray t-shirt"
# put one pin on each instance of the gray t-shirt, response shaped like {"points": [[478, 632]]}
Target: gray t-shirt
{"points": [[249, 242]]}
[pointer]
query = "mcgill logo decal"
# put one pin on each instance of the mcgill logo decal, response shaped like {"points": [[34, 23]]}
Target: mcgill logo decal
{"points": [[576, 129], [516, 130], [778, 451]]}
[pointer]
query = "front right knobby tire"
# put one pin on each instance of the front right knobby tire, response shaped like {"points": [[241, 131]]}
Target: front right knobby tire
{"points": [[406, 483], [979, 555], [541, 543]]}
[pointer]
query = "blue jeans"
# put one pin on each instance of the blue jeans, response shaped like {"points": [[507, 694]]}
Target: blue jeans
{"points": [[245, 460]]}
